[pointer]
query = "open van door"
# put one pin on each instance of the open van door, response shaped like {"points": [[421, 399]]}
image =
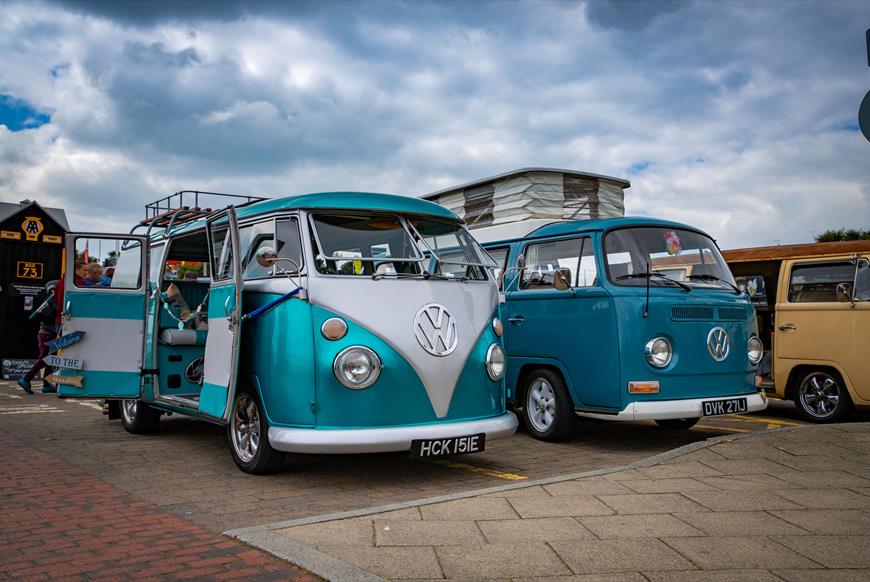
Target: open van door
{"points": [[99, 354], [224, 315]]}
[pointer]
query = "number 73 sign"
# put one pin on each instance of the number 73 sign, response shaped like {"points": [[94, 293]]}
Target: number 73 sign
{"points": [[28, 270]]}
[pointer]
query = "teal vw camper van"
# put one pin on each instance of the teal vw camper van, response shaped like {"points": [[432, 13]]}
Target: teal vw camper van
{"points": [[609, 317], [319, 323]]}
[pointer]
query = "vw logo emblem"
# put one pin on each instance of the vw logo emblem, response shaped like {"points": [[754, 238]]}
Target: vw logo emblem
{"points": [[718, 344], [435, 329]]}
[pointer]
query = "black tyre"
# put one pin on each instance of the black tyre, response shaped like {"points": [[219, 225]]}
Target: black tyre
{"points": [[548, 411], [138, 418], [248, 436], [678, 423], [821, 396]]}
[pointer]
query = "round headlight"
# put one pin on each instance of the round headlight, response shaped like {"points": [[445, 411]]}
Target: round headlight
{"points": [[658, 352], [357, 367], [755, 349], [495, 362]]}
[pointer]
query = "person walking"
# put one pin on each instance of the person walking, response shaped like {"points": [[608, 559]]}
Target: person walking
{"points": [[46, 316]]}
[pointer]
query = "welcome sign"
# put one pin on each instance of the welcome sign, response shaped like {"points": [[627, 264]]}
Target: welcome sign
{"points": [[65, 341]]}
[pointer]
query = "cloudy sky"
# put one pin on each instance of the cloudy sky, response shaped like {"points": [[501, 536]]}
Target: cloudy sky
{"points": [[740, 118]]}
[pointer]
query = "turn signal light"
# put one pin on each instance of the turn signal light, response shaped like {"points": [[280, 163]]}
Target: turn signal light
{"points": [[643, 387]]}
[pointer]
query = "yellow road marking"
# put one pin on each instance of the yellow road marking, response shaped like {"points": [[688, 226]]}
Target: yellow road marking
{"points": [[721, 428], [775, 421], [473, 469]]}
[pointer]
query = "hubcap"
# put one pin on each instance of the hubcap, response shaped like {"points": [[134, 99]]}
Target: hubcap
{"points": [[246, 428], [820, 395], [129, 408], [541, 405]]}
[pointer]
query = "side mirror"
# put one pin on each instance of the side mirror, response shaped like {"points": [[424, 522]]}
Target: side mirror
{"points": [[266, 256], [562, 279], [521, 262]]}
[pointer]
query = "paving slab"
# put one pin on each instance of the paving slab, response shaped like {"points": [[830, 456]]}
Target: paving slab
{"points": [[645, 503], [499, 560], [747, 551], [821, 497], [736, 523], [831, 551], [534, 529], [842, 522], [620, 555], [640, 526]]}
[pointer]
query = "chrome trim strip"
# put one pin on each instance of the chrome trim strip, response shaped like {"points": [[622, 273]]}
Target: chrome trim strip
{"points": [[381, 440], [668, 409]]}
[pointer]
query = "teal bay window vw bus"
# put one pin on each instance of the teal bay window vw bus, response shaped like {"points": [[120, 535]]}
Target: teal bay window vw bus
{"points": [[321, 323], [621, 319]]}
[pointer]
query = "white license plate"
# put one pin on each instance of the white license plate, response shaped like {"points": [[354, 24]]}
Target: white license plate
{"points": [[461, 445], [720, 407]]}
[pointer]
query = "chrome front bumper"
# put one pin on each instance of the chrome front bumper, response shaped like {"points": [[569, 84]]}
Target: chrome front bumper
{"points": [[382, 440], [669, 409]]}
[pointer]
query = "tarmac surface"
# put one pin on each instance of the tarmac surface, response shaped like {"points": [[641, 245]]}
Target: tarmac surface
{"points": [[65, 461]]}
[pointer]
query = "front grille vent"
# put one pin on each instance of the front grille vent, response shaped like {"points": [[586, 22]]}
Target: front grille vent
{"points": [[732, 313], [691, 313], [707, 313]]}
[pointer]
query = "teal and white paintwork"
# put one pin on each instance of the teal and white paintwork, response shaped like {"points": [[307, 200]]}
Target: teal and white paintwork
{"points": [[283, 356], [594, 337]]}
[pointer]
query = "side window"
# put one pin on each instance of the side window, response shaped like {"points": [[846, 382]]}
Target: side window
{"points": [[253, 238], [862, 281], [289, 245], [587, 271], [222, 251], [155, 260], [114, 263], [542, 260], [499, 255], [821, 282]]}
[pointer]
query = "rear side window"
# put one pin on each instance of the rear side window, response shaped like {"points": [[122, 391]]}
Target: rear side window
{"points": [[821, 282]]}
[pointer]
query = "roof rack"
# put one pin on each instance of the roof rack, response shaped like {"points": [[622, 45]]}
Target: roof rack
{"points": [[182, 207]]}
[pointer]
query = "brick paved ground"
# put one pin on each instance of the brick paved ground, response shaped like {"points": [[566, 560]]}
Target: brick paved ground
{"points": [[788, 505], [58, 522], [186, 468]]}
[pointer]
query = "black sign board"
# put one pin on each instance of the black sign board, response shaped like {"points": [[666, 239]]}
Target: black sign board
{"points": [[13, 369]]}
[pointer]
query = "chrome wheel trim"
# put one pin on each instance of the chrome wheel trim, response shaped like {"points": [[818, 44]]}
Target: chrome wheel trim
{"points": [[819, 395], [541, 405], [245, 428], [129, 410]]}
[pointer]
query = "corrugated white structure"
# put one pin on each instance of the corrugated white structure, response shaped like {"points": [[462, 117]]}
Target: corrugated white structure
{"points": [[535, 193]]}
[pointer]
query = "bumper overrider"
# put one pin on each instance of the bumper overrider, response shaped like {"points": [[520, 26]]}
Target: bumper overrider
{"points": [[675, 409], [383, 440]]}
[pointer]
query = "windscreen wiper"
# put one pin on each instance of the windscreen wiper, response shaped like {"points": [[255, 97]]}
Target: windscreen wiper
{"points": [[377, 276], [708, 277], [649, 276]]}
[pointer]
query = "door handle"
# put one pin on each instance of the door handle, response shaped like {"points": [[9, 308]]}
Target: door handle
{"points": [[67, 311], [227, 311], [517, 319], [787, 327]]}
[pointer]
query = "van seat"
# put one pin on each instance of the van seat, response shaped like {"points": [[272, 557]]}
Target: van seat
{"points": [[182, 337]]}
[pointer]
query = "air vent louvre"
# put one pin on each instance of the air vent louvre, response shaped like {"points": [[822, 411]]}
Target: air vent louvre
{"points": [[732, 313], [691, 313]]}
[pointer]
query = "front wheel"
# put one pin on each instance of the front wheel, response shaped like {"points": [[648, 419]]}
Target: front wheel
{"points": [[822, 397], [678, 423], [548, 409], [139, 418], [248, 435]]}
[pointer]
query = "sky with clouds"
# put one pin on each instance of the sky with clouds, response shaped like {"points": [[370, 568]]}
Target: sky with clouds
{"points": [[740, 118]]}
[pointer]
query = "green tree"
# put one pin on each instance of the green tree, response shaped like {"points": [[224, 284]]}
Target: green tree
{"points": [[841, 234]]}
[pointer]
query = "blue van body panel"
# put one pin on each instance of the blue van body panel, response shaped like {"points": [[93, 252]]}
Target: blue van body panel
{"points": [[213, 397], [282, 362], [476, 394], [596, 336]]}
